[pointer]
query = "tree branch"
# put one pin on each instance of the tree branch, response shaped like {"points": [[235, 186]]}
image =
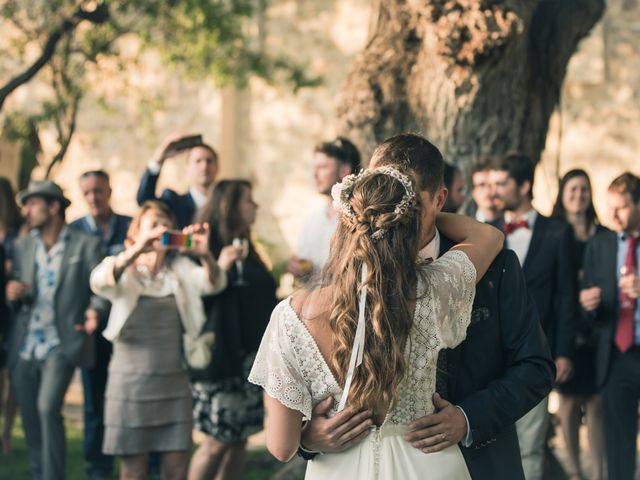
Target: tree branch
{"points": [[63, 139], [97, 16]]}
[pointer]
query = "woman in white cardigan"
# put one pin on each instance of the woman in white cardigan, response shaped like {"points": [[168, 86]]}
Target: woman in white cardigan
{"points": [[156, 309]]}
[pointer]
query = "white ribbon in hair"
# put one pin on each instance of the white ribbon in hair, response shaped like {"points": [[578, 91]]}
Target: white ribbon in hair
{"points": [[358, 342]]}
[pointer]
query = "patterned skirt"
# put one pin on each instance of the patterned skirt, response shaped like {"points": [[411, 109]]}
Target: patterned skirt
{"points": [[229, 410]]}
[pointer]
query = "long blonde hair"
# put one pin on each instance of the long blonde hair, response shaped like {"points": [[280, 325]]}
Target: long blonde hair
{"points": [[391, 287]]}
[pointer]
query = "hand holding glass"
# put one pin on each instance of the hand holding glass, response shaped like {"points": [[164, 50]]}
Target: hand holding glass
{"points": [[625, 300], [241, 244]]}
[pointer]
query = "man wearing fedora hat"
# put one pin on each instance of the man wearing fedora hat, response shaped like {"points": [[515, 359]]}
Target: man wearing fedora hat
{"points": [[55, 315]]}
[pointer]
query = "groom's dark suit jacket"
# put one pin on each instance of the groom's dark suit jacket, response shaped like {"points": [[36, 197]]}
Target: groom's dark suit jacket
{"points": [[502, 370]]}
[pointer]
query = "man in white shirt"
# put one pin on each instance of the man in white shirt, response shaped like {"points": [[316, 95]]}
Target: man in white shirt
{"points": [[332, 161], [201, 172], [544, 248]]}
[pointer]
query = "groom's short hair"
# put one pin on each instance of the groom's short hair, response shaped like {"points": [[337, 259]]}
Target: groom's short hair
{"points": [[413, 153]]}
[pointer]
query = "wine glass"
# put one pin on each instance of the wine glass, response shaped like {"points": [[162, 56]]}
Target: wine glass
{"points": [[243, 245]]}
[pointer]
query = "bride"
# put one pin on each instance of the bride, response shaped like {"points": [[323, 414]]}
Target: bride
{"points": [[370, 336]]}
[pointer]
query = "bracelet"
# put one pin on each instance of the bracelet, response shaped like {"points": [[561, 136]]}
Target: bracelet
{"points": [[310, 452]]}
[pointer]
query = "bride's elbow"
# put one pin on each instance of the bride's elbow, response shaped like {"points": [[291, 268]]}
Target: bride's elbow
{"points": [[282, 452]]}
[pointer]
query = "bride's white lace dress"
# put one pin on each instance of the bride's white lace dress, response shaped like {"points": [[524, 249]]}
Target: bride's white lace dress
{"points": [[291, 369]]}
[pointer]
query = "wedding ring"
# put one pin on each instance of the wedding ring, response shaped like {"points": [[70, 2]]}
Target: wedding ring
{"points": [[443, 436]]}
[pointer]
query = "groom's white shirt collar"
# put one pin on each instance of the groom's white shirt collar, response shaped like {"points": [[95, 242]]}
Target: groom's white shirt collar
{"points": [[431, 249]]}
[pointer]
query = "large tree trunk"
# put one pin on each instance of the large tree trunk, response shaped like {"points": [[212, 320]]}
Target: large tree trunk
{"points": [[477, 77]]}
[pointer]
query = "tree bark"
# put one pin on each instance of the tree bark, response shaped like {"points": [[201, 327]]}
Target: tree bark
{"points": [[476, 77]]}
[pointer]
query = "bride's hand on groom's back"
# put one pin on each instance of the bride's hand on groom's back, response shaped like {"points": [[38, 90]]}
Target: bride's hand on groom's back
{"points": [[435, 432], [335, 434]]}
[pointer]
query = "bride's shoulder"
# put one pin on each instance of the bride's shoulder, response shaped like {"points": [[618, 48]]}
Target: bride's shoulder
{"points": [[310, 304]]}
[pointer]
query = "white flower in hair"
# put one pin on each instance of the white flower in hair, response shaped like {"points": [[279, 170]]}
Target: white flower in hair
{"points": [[341, 193]]}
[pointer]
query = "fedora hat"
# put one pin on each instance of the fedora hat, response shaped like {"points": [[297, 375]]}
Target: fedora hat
{"points": [[43, 188]]}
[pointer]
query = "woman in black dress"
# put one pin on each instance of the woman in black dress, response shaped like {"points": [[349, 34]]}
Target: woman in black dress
{"points": [[227, 408], [579, 396]]}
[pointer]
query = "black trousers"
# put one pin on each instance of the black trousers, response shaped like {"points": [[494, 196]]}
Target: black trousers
{"points": [[620, 401]]}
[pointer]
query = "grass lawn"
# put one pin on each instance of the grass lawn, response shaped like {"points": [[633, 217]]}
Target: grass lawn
{"points": [[261, 465]]}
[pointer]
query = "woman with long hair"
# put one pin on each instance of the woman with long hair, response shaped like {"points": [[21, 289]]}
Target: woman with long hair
{"points": [[579, 396], [10, 217], [227, 408], [155, 302], [11, 227], [370, 337]]}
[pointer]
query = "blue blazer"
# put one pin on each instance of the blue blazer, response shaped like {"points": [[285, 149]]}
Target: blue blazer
{"points": [[182, 206], [119, 225], [502, 369]]}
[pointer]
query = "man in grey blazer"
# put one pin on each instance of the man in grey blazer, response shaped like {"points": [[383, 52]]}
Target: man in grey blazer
{"points": [[54, 317]]}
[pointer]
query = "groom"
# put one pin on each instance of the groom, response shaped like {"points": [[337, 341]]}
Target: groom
{"points": [[493, 378]]}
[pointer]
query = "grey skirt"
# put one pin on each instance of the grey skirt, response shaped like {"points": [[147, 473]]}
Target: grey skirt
{"points": [[148, 398]]}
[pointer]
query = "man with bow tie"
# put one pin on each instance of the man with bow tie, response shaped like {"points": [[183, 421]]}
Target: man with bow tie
{"points": [[543, 246], [610, 294]]}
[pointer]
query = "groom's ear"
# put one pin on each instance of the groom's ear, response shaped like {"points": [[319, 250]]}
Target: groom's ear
{"points": [[441, 197]]}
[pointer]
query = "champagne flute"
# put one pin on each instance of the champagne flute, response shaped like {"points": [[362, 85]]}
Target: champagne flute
{"points": [[243, 245]]}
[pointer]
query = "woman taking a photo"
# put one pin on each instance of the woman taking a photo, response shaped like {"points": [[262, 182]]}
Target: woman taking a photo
{"points": [[579, 396], [227, 408], [155, 295]]}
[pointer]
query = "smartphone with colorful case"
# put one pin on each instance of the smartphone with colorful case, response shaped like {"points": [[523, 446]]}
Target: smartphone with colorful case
{"points": [[175, 239]]}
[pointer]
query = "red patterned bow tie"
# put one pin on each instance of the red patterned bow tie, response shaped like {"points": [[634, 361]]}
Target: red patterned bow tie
{"points": [[510, 227]]}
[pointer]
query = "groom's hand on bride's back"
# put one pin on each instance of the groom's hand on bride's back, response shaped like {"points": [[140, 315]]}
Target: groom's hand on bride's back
{"points": [[435, 432], [335, 434]]}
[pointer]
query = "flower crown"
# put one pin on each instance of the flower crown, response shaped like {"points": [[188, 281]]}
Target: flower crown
{"points": [[342, 191]]}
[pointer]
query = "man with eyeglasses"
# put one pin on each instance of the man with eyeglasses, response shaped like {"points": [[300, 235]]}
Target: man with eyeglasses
{"points": [[487, 207]]}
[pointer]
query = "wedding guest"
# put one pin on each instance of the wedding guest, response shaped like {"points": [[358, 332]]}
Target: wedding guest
{"points": [[454, 183], [155, 296], [4, 330], [579, 395], [543, 246], [55, 317], [332, 161], [111, 228], [227, 408], [11, 221], [485, 206], [201, 172], [611, 290], [11, 226]]}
